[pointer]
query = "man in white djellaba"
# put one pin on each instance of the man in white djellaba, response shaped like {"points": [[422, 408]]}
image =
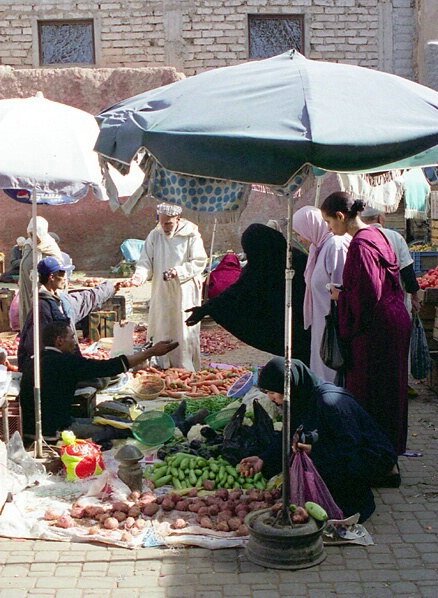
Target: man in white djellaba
{"points": [[173, 257]]}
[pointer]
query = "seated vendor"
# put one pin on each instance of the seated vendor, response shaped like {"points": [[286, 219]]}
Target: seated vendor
{"points": [[57, 304], [61, 369], [15, 261], [351, 454]]}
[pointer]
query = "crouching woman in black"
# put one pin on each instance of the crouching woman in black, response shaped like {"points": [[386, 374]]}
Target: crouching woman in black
{"points": [[352, 454]]}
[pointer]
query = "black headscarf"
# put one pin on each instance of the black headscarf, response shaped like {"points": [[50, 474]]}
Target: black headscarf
{"points": [[304, 381], [351, 450], [253, 308]]}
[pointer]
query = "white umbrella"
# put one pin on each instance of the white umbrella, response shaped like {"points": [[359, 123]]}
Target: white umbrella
{"points": [[46, 146]]}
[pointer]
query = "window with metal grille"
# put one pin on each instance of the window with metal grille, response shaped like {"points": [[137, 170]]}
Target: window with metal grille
{"points": [[270, 35], [66, 42]]}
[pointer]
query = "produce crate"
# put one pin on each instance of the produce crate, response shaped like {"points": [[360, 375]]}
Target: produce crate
{"points": [[119, 304], [14, 418], [429, 303], [432, 378], [6, 296], [424, 260], [101, 324]]}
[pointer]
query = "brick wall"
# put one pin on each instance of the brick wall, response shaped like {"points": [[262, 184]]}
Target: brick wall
{"points": [[197, 35]]}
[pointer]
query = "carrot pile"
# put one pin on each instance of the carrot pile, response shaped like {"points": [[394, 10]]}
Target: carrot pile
{"points": [[184, 383]]}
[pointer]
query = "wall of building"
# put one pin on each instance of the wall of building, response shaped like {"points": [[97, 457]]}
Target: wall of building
{"points": [[190, 36], [197, 35], [426, 56]]}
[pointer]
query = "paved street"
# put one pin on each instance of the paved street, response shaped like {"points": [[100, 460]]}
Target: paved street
{"points": [[403, 562]]}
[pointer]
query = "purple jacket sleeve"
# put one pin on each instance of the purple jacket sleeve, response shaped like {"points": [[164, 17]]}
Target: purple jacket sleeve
{"points": [[78, 304]]}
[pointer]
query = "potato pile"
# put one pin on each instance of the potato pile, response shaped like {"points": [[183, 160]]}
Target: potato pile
{"points": [[125, 516], [223, 511]]}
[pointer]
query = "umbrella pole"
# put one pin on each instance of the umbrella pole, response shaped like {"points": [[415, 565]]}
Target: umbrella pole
{"points": [[36, 335], [288, 373], [207, 280], [318, 191]]}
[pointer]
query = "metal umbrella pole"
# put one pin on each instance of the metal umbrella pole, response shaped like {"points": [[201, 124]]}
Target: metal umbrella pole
{"points": [[207, 280], [36, 334], [289, 274]]}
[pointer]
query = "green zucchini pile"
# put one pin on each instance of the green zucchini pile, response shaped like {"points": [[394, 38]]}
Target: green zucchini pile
{"points": [[190, 471]]}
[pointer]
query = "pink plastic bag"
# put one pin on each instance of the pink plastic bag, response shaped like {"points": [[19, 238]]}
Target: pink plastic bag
{"points": [[14, 319], [306, 484]]}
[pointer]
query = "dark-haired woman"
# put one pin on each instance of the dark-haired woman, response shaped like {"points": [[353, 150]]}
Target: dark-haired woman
{"points": [[373, 319]]}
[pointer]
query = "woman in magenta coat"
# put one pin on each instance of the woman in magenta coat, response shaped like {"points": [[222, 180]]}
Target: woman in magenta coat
{"points": [[373, 319]]}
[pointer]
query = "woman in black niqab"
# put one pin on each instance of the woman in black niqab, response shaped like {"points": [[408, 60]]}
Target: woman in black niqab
{"points": [[351, 454], [253, 308]]}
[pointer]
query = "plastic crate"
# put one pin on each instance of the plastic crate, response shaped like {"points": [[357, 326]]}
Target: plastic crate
{"points": [[14, 418], [424, 260]]}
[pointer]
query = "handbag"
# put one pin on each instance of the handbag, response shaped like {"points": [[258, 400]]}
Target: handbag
{"points": [[421, 362], [330, 350]]}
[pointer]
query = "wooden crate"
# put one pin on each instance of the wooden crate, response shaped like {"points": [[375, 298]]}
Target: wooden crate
{"points": [[432, 378], [14, 418], [6, 296], [117, 304], [428, 313], [101, 324]]}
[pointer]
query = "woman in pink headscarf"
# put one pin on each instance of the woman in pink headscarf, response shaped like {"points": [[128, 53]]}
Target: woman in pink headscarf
{"points": [[325, 264], [224, 275]]}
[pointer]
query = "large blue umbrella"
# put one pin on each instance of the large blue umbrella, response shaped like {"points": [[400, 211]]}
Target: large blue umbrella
{"points": [[263, 122], [260, 122]]}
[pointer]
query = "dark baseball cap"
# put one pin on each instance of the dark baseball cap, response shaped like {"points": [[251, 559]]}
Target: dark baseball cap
{"points": [[50, 265]]}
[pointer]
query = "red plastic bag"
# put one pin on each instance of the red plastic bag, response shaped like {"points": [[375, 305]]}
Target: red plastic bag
{"points": [[306, 484], [81, 458]]}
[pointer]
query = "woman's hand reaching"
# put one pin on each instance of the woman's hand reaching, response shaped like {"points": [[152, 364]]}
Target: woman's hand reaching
{"points": [[249, 466], [196, 315]]}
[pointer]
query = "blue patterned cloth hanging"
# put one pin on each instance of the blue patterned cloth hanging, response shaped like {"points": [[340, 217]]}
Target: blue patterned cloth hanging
{"points": [[198, 194]]}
